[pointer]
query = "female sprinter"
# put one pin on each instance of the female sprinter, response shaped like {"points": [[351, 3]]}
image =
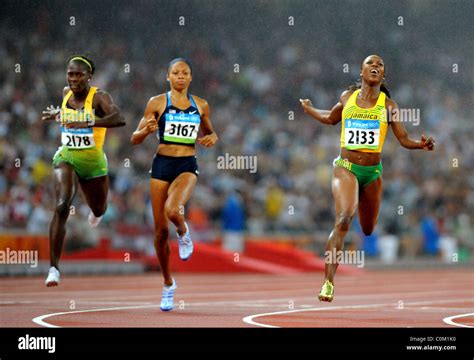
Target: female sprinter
{"points": [[86, 113], [177, 116], [366, 112]]}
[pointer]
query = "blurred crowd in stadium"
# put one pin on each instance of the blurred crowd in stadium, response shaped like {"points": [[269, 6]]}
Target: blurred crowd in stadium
{"points": [[252, 77]]}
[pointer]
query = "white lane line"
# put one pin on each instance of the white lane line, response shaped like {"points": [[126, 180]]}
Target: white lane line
{"points": [[250, 319], [40, 319], [449, 320]]}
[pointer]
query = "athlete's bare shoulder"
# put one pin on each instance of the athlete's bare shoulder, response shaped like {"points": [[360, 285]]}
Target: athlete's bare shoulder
{"points": [[158, 98], [100, 95], [199, 99], [65, 90], [345, 95], [100, 92], [157, 101], [201, 103]]}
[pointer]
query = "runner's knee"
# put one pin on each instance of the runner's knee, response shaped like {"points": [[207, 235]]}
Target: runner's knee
{"points": [[62, 207], [343, 222], [173, 213]]}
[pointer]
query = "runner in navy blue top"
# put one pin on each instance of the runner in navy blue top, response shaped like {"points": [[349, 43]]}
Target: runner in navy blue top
{"points": [[178, 117]]}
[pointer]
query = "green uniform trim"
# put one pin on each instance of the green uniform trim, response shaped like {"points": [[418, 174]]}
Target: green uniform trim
{"points": [[364, 174], [87, 163], [179, 140]]}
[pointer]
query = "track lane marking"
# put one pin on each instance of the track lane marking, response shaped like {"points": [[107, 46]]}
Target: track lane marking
{"points": [[449, 320], [250, 319]]}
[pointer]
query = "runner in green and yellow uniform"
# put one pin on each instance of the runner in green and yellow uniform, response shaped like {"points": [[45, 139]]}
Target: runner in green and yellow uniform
{"points": [[85, 115], [366, 111]]}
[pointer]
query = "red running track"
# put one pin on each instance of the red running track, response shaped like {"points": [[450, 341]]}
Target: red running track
{"points": [[376, 299]]}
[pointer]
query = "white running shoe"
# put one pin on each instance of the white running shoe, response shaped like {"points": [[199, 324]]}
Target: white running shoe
{"points": [[53, 277], [93, 220], [185, 245], [167, 297]]}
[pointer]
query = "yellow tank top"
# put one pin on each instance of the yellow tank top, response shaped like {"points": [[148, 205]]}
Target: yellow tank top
{"points": [[80, 139], [364, 129]]}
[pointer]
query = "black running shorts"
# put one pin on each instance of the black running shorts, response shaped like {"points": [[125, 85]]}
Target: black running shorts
{"points": [[168, 168]]}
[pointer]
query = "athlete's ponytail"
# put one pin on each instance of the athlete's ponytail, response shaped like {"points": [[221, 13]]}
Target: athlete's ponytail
{"points": [[384, 88]]}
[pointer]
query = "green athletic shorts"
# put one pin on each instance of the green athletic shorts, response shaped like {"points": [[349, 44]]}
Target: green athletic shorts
{"points": [[87, 163], [364, 174]]}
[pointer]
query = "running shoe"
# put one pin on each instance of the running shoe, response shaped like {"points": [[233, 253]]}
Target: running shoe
{"points": [[167, 297], [53, 277], [327, 292], [185, 245]]}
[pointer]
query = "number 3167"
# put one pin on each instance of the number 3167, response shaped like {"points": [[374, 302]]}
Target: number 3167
{"points": [[183, 130]]}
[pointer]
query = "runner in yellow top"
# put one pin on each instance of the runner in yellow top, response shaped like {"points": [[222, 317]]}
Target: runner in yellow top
{"points": [[85, 114], [366, 111]]}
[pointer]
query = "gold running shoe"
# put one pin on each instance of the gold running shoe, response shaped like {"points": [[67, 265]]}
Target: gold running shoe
{"points": [[327, 292]]}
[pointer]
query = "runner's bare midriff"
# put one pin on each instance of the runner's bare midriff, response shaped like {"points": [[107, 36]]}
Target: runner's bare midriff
{"points": [[176, 150], [360, 158]]}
